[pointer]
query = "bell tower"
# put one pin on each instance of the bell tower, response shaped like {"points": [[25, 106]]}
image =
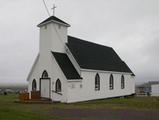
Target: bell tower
{"points": [[53, 35]]}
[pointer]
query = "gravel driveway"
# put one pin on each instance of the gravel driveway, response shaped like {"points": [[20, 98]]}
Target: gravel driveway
{"points": [[105, 114]]}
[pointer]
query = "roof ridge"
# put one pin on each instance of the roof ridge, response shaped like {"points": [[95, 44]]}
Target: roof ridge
{"points": [[53, 18]]}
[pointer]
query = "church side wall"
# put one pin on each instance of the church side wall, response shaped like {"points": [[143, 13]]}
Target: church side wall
{"points": [[85, 90]]}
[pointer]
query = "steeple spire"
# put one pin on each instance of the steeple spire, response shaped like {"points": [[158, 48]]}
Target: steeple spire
{"points": [[53, 9]]}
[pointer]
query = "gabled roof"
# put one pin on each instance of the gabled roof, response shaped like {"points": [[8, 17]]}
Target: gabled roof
{"points": [[53, 19], [66, 66], [96, 57]]}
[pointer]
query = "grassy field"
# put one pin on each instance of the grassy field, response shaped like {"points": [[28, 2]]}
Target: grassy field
{"points": [[16, 111], [138, 103]]}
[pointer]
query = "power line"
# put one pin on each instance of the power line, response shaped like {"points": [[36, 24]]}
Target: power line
{"points": [[46, 7]]}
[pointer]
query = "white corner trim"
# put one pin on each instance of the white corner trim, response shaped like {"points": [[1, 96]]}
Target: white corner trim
{"points": [[73, 60]]}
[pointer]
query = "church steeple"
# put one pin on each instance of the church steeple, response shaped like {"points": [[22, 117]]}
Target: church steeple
{"points": [[53, 35]]}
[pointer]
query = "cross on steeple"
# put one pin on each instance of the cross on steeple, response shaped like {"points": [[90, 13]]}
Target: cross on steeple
{"points": [[53, 9]]}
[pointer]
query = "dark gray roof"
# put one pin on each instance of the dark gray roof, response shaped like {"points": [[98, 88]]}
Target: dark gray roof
{"points": [[96, 57], [66, 66], [53, 18]]}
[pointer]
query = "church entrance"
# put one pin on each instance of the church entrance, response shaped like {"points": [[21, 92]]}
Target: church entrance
{"points": [[45, 86]]}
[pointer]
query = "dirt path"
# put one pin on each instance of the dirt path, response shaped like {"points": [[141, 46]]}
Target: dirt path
{"points": [[105, 114]]}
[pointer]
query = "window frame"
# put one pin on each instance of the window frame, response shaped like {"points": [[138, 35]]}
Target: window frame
{"points": [[122, 82], [45, 74], [58, 86], [34, 85], [97, 82], [111, 82]]}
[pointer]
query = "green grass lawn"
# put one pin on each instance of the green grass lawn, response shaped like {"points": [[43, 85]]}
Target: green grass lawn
{"points": [[9, 110], [144, 103], [17, 111], [138, 103]]}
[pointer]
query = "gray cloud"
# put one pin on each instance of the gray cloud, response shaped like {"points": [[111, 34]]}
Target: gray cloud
{"points": [[131, 27]]}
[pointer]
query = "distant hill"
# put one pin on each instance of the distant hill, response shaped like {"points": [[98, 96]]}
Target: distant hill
{"points": [[17, 86]]}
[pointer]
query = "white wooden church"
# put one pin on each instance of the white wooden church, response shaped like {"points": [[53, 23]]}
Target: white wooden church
{"points": [[68, 69]]}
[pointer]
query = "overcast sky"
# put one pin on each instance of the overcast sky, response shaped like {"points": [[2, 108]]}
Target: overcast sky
{"points": [[131, 27]]}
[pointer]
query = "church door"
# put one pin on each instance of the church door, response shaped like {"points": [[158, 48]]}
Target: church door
{"points": [[45, 85]]}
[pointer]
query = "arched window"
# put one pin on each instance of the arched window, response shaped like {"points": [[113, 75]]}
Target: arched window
{"points": [[97, 82], [111, 82], [122, 82], [34, 85], [58, 86], [45, 74]]}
